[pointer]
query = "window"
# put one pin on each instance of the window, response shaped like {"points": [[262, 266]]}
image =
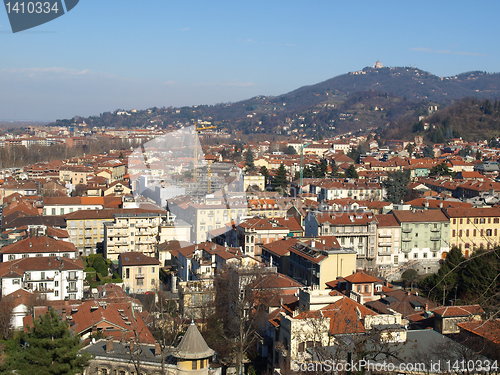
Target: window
{"points": [[56, 293], [425, 255], [453, 233], [454, 221], [12, 257], [467, 233], [15, 281], [367, 288], [152, 269], [474, 233], [140, 282], [461, 221], [496, 220], [194, 365], [415, 255], [56, 283], [61, 211], [127, 273], [359, 288]]}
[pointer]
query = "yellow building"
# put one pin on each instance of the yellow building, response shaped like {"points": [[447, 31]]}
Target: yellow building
{"points": [[139, 272], [472, 228], [86, 229], [314, 262]]}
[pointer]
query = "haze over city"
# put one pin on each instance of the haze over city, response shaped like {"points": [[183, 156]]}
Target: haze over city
{"points": [[105, 55]]}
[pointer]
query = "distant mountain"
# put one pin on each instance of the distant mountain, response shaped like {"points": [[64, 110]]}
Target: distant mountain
{"points": [[369, 98]]}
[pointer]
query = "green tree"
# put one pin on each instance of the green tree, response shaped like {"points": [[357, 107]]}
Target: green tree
{"points": [[290, 150], [441, 169], [409, 277], [249, 160], [396, 186], [334, 173], [264, 172], [410, 148], [351, 172], [48, 347], [280, 181], [428, 152]]}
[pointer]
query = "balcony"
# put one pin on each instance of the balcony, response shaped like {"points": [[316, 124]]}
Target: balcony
{"points": [[435, 229], [385, 235], [139, 276], [72, 289], [385, 244], [72, 277], [407, 239], [120, 225], [435, 238], [406, 230]]}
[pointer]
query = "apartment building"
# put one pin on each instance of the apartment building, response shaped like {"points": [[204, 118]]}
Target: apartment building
{"points": [[140, 273], [471, 228], [356, 230], [135, 231], [425, 237], [388, 241], [54, 277], [86, 229]]}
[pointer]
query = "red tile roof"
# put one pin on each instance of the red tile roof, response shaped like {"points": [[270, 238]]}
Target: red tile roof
{"points": [[40, 244]]}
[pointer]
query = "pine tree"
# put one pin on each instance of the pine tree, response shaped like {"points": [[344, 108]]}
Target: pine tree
{"points": [[280, 180], [264, 172], [351, 172], [249, 160], [47, 348], [396, 186]]}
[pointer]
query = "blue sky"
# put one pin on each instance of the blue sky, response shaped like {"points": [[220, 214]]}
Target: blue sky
{"points": [[110, 54]]}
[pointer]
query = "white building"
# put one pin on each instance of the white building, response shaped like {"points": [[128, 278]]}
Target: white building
{"points": [[54, 277]]}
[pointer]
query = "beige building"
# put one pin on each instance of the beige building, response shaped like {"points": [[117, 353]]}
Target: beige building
{"points": [[139, 272], [86, 229], [135, 231], [254, 179], [388, 240]]}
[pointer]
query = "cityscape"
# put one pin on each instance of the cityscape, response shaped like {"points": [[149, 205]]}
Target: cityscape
{"points": [[233, 188]]}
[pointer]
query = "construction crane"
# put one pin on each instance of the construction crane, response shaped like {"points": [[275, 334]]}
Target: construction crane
{"points": [[301, 183], [197, 130]]}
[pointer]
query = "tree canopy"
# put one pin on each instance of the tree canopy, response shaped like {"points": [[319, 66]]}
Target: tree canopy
{"points": [[396, 186], [47, 348]]}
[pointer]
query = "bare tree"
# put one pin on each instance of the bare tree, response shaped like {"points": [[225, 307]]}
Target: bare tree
{"points": [[6, 314]]}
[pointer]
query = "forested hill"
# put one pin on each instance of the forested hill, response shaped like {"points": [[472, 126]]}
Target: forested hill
{"points": [[357, 100], [471, 119]]}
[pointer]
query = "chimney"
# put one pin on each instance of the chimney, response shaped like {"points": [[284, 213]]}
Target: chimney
{"points": [[313, 243], [124, 337], [157, 349], [426, 307], [109, 345]]}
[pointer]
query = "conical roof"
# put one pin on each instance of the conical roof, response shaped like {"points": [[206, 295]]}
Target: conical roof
{"points": [[193, 345]]}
